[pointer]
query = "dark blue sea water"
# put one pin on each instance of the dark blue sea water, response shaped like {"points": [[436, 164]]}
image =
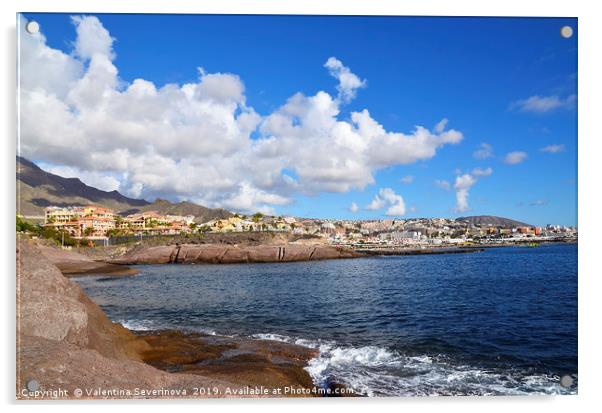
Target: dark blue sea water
{"points": [[502, 321]]}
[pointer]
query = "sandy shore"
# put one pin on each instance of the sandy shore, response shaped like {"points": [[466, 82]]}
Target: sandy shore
{"points": [[67, 348]]}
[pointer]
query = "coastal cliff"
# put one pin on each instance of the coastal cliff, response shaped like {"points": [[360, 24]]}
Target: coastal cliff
{"points": [[66, 342], [230, 254]]}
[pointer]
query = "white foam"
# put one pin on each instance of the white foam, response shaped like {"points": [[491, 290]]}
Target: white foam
{"points": [[138, 325], [377, 371], [151, 325]]}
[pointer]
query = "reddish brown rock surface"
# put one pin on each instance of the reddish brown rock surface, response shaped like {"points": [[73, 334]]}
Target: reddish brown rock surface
{"points": [[65, 342], [74, 264], [230, 254]]}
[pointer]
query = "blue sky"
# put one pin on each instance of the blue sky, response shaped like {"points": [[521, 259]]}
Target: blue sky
{"points": [[509, 83]]}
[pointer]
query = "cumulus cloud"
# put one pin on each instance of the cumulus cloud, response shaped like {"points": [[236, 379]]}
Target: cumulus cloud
{"points": [[348, 81], [440, 127], [376, 204], [514, 158], [442, 184], [485, 151], [478, 172], [92, 38], [543, 104], [387, 197], [462, 186], [464, 182], [353, 208], [100, 181], [408, 179], [193, 141], [552, 148]]}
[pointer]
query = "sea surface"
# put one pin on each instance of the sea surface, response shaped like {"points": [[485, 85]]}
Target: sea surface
{"points": [[502, 321]]}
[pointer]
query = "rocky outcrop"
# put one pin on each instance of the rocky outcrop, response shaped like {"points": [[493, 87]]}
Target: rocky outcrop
{"points": [[52, 307], [68, 346], [74, 264], [225, 254], [65, 341]]}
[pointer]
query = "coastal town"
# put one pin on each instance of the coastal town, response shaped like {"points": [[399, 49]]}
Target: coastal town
{"points": [[96, 223]]}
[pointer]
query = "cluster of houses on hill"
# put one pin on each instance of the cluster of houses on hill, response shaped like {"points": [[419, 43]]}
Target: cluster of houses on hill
{"points": [[98, 222]]}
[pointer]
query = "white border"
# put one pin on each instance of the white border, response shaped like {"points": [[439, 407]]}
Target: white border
{"points": [[590, 222]]}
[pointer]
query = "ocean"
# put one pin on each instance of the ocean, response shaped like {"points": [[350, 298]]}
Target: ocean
{"points": [[498, 322]]}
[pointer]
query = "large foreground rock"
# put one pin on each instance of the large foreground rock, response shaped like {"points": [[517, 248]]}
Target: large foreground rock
{"points": [[230, 254], [65, 341], [68, 346]]}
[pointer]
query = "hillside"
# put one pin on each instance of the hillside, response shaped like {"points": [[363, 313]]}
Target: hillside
{"points": [[201, 213], [37, 189], [492, 221]]}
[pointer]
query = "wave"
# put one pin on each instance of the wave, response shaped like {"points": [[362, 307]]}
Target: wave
{"points": [[377, 371]]}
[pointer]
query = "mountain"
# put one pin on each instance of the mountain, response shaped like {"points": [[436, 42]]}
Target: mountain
{"points": [[201, 213], [492, 221], [37, 189]]}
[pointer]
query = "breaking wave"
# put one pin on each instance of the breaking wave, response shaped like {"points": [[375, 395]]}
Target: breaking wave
{"points": [[377, 371]]}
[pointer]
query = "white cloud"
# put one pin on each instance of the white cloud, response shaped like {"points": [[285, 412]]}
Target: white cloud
{"points": [[553, 148], [100, 181], [92, 38], [386, 197], [440, 127], [543, 104], [478, 172], [408, 179], [485, 151], [462, 186], [348, 81], [442, 184], [60, 72], [193, 141], [353, 208], [376, 204], [516, 157]]}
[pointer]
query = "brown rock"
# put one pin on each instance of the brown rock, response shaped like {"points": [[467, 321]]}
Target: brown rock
{"points": [[65, 342], [52, 307], [230, 254], [72, 263]]}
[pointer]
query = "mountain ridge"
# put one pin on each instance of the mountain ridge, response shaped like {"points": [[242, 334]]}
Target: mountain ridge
{"points": [[38, 189]]}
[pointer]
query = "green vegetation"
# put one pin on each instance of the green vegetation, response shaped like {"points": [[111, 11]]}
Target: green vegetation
{"points": [[24, 226], [60, 237], [257, 217]]}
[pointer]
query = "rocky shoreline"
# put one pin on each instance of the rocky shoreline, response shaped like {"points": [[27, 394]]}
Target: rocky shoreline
{"points": [[67, 348], [232, 254], [75, 264]]}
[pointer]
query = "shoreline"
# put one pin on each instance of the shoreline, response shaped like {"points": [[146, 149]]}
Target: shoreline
{"points": [[75, 264], [65, 341]]}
